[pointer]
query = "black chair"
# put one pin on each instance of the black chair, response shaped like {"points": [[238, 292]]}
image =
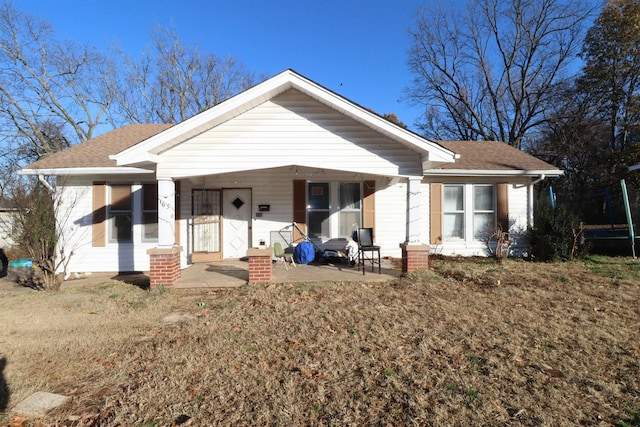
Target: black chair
{"points": [[367, 250]]}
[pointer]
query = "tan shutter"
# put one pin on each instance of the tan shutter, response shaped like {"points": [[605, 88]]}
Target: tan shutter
{"points": [[435, 213], [369, 204], [177, 213], [299, 207], [98, 221], [502, 205]]}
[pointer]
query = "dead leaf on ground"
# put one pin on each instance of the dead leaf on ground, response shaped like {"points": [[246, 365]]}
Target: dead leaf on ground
{"points": [[17, 422]]}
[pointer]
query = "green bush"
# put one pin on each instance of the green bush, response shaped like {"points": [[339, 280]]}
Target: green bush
{"points": [[556, 234]]}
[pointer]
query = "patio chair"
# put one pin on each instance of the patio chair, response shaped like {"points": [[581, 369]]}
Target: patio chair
{"points": [[367, 250], [282, 256]]}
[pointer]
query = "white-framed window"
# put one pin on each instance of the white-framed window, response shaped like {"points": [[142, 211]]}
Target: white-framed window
{"points": [[120, 213], [484, 211], [132, 212], [350, 207], [150, 212], [334, 209], [468, 211], [318, 209], [453, 218]]}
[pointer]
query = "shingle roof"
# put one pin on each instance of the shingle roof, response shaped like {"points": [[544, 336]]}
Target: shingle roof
{"points": [[484, 155], [491, 155], [95, 152]]}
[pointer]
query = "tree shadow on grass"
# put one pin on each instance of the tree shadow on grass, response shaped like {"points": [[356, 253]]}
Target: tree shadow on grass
{"points": [[4, 388]]}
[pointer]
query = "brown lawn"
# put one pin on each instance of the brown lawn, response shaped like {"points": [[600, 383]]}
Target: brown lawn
{"points": [[473, 342]]}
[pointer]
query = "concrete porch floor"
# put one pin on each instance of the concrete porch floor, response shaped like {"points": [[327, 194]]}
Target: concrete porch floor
{"points": [[235, 272]]}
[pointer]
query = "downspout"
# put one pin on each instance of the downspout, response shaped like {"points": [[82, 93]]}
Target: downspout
{"points": [[46, 184], [530, 199]]}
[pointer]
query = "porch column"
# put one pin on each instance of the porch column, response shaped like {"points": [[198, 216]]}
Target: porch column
{"points": [[165, 259], [260, 264], [415, 254], [166, 212], [414, 211]]}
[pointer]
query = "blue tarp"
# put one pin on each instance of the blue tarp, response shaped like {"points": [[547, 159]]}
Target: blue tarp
{"points": [[304, 253], [21, 262]]}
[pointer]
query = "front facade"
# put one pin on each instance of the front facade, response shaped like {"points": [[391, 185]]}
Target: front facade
{"points": [[288, 151]]}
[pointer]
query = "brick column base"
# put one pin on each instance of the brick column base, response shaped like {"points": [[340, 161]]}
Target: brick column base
{"points": [[165, 266], [260, 264], [415, 258]]}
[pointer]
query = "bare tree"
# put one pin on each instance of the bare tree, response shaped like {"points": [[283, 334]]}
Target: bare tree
{"points": [[172, 82], [488, 73], [50, 91]]}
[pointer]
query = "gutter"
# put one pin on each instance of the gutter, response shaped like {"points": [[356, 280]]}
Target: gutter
{"points": [[46, 183], [540, 179], [530, 199]]}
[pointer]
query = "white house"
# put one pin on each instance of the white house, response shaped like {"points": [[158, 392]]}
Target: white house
{"points": [[287, 150]]}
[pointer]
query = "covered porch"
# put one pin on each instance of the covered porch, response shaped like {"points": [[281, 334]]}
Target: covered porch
{"points": [[251, 210]]}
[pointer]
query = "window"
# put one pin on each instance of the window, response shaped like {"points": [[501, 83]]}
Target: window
{"points": [[483, 211], [453, 212], [149, 212], [318, 209], [334, 209], [120, 214], [468, 211], [350, 207]]}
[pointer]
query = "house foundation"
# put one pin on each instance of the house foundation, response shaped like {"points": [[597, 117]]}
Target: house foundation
{"points": [[165, 266], [260, 264], [415, 258]]}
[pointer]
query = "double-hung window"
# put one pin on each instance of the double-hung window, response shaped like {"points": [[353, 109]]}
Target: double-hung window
{"points": [[150, 212], [484, 215], [319, 209], [468, 211], [453, 220], [334, 209], [120, 213], [132, 208], [350, 207]]}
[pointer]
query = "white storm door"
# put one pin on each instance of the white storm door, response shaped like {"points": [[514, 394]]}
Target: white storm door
{"points": [[236, 212]]}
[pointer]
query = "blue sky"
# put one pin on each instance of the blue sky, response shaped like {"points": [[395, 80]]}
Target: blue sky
{"points": [[357, 48]]}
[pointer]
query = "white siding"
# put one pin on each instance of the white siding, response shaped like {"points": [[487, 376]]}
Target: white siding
{"points": [[274, 187], [518, 210], [518, 207], [290, 129], [75, 224], [7, 224], [391, 217]]}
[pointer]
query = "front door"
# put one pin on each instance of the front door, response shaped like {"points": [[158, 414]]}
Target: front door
{"points": [[236, 211], [205, 225]]}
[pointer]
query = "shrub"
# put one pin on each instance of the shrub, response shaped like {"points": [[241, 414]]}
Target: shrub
{"points": [[556, 234]]}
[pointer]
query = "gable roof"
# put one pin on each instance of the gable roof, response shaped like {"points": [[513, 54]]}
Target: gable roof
{"points": [[432, 153], [492, 158], [125, 149], [96, 152]]}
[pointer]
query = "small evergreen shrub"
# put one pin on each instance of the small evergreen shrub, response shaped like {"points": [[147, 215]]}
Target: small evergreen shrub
{"points": [[556, 234]]}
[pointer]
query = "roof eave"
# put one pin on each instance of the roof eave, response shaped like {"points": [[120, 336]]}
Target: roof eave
{"points": [[549, 173], [117, 170]]}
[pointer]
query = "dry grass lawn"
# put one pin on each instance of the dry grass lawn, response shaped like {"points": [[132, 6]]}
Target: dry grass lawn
{"points": [[473, 342]]}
